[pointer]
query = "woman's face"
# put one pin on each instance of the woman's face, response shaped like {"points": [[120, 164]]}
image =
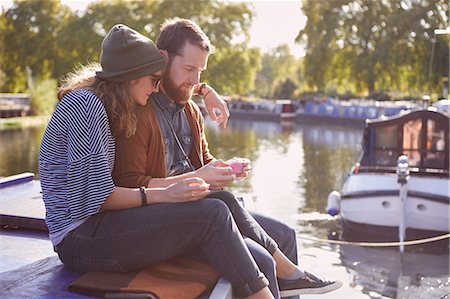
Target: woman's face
{"points": [[143, 87]]}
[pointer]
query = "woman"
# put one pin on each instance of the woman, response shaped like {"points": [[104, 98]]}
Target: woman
{"points": [[96, 226]]}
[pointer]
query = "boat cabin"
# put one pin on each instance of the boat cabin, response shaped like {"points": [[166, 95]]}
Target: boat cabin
{"points": [[421, 135]]}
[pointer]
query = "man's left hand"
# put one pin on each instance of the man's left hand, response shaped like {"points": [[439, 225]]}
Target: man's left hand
{"points": [[214, 102]]}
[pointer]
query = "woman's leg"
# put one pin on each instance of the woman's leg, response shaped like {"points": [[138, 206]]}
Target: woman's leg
{"points": [[132, 239], [250, 228], [247, 225]]}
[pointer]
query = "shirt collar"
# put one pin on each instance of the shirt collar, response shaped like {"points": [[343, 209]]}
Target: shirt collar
{"points": [[167, 104]]}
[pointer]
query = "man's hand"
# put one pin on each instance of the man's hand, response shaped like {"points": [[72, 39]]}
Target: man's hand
{"points": [[240, 166], [216, 173], [214, 102]]}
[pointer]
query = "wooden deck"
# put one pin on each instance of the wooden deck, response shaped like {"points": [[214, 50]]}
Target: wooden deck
{"points": [[28, 265]]}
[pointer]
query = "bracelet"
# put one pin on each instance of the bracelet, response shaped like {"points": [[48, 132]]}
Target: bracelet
{"points": [[204, 96], [143, 196]]}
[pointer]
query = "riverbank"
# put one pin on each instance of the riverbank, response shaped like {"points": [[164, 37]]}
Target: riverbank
{"points": [[23, 122]]}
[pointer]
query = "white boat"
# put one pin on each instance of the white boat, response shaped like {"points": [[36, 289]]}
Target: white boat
{"points": [[385, 195]]}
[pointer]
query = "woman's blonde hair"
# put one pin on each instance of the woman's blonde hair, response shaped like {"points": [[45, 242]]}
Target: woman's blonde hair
{"points": [[115, 96]]}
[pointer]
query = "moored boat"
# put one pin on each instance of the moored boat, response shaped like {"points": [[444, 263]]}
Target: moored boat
{"points": [[384, 195], [277, 110]]}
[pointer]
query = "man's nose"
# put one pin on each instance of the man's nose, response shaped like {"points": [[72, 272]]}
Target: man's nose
{"points": [[195, 78]]}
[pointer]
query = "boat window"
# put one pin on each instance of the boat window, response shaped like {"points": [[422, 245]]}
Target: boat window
{"points": [[412, 140], [386, 137], [435, 145], [386, 152], [386, 157], [372, 112]]}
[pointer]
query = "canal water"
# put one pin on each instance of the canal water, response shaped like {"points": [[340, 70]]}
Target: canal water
{"points": [[294, 167]]}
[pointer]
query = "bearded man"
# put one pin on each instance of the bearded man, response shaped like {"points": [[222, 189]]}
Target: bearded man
{"points": [[170, 145]]}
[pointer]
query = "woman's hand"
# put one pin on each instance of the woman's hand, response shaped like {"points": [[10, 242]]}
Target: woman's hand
{"points": [[190, 189], [213, 101]]}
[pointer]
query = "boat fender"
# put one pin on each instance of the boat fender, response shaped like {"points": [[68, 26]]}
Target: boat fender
{"points": [[333, 203]]}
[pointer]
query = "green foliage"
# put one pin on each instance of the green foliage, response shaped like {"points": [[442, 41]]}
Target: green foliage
{"points": [[29, 40], [374, 45], [278, 67], [233, 70], [286, 89], [351, 45], [50, 39], [43, 97]]}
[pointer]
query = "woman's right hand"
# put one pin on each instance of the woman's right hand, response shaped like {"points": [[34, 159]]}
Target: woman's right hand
{"points": [[189, 189]]}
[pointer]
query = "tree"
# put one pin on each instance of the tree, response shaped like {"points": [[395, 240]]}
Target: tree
{"points": [[62, 39], [372, 44], [286, 89], [277, 66], [232, 69], [28, 38]]}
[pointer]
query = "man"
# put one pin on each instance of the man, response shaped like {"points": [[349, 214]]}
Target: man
{"points": [[170, 145]]}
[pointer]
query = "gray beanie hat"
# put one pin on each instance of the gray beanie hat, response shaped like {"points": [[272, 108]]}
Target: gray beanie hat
{"points": [[127, 55]]}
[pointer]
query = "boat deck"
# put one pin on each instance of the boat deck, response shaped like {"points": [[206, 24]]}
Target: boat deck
{"points": [[29, 266]]}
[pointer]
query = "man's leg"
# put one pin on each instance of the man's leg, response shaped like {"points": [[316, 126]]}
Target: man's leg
{"points": [[283, 234], [294, 280], [247, 225], [266, 264]]}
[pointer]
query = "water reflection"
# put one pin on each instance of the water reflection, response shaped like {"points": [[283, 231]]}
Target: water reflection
{"points": [[19, 149], [398, 275], [295, 166]]}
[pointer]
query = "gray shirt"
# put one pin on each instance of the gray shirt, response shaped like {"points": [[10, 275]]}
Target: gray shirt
{"points": [[173, 115]]}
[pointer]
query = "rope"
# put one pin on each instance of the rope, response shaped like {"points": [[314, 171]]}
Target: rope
{"points": [[379, 244]]}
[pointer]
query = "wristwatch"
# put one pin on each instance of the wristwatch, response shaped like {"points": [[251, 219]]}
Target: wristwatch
{"points": [[200, 88]]}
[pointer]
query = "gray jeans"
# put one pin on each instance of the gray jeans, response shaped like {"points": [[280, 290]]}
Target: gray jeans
{"points": [[131, 239]]}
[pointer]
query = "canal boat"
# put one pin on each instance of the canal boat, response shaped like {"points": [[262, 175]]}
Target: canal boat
{"points": [[399, 189], [350, 112], [30, 268], [274, 110]]}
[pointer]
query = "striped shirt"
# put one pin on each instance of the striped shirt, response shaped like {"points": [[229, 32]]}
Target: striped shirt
{"points": [[76, 160]]}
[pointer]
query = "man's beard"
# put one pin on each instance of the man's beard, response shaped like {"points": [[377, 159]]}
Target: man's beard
{"points": [[179, 94]]}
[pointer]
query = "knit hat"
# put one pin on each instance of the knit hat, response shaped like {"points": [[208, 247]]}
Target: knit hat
{"points": [[127, 55]]}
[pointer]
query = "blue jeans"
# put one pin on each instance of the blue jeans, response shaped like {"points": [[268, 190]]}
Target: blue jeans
{"points": [[263, 235], [131, 239], [286, 238]]}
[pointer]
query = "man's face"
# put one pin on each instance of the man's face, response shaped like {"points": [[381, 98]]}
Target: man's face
{"points": [[180, 76]]}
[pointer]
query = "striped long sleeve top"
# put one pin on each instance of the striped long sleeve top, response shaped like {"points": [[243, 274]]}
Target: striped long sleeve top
{"points": [[76, 160]]}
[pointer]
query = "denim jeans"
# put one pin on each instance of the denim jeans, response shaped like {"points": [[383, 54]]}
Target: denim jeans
{"points": [[263, 235], [131, 239], [286, 238]]}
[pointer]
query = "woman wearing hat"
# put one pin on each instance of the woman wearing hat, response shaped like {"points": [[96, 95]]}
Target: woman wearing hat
{"points": [[96, 226]]}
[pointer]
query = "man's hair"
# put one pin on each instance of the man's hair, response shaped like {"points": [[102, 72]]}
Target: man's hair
{"points": [[176, 32]]}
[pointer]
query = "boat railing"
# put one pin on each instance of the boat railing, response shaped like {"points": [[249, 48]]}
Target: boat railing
{"points": [[413, 170]]}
